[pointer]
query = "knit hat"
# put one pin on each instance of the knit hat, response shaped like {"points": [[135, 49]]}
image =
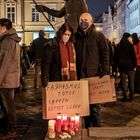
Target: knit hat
{"points": [[126, 35]]}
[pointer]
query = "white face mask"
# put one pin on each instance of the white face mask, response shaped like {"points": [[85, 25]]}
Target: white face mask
{"points": [[65, 38]]}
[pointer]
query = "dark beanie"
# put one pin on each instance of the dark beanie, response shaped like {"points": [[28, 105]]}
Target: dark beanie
{"points": [[126, 35]]}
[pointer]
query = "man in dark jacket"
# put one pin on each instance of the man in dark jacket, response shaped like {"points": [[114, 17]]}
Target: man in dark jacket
{"points": [[92, 55], [125, 60], [36, 53], [9, 69], [71, 11]]}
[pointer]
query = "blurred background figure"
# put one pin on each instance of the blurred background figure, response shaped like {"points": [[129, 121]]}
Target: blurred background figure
{"points": [[125, 60], [111, 56], [36, 52], [9, 73], [25, 63], [136, 42]]}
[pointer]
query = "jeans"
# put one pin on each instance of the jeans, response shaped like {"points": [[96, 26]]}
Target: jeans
{"points": [[7, 95], [37, 73], [130, 86], [93, 120]]}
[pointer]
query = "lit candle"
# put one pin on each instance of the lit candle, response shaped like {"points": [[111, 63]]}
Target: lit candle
{"points": [[51, 128], [72, 122], [65, 123], [58, 123], [77, 121], [71, 125]]}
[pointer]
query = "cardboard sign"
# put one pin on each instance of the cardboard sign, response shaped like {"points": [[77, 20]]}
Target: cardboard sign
{"points": [[66, 97], [112, 80], [101, 90]]}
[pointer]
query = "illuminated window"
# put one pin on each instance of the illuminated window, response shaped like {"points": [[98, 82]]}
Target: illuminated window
{"points": [[11, 11], [51, 35], [35, 15], [35, 35]]}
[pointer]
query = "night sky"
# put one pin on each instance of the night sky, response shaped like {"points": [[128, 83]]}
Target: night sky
{"points": [[97, 7]]}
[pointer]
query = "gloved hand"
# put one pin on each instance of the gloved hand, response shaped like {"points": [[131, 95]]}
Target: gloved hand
{"points": [[40, 8], [44, 82]]}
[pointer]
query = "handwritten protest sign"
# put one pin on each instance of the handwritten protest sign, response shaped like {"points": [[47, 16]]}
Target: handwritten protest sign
{"points": [[113, 89], [101, 90], [67, 97]]}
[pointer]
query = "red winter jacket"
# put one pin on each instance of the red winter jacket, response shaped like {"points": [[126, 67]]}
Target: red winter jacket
{"points": [[137, 51]]}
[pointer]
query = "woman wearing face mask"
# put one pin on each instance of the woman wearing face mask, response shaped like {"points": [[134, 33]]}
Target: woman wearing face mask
{"points": [[58, 62]]}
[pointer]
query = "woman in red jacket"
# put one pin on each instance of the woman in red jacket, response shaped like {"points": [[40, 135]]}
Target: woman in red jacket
{"points": [[136, 43]]}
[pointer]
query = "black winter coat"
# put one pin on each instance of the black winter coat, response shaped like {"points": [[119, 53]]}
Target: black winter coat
{"points": [[92, 53], [51, 63], [36, 50], [125, 57]]}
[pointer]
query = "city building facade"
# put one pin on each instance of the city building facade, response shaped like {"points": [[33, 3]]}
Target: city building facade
{"points": [[120, 19], [133, 16], [27, 20], [124, 16], [115, 21], [108, 24]]}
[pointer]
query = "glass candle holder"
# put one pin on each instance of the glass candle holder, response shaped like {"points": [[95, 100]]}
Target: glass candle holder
{"points": [[77, 121], [51, 129], [58, 123], [72, 122], [65, 123]]}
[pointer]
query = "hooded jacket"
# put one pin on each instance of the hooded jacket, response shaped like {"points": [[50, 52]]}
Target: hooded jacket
{"points": [[125, 57], [9, 59]]}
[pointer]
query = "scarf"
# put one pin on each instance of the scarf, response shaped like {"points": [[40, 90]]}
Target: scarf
{"points": [[68, 64]]}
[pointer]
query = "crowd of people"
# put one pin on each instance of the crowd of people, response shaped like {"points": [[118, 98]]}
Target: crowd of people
{"points": [[125, 64], [74, 53]]}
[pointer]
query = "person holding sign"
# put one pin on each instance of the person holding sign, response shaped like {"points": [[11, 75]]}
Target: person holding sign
{"points": [[92, 59], [58, 62]]}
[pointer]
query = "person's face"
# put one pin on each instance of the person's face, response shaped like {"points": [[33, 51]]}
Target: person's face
{"points": [[2, 29], [67, 33], [85, 21], [66, 36], [130, 39]]}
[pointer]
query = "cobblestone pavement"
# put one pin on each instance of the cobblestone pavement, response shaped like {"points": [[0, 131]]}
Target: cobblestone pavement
{"points": [[121, 113], [29, 109], [114, 114]]}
